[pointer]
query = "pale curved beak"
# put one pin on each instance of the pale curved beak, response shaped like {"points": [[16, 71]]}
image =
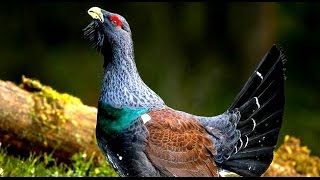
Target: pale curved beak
{"points": [[96, 13]]}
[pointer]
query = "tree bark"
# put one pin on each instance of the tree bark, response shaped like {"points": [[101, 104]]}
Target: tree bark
{"points": [[37, 118]]}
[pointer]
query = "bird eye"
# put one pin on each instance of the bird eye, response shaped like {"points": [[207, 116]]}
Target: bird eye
{"points": [[116, 21]]}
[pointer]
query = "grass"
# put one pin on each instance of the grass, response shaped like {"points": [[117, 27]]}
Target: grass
{"points": [[46, 166]]}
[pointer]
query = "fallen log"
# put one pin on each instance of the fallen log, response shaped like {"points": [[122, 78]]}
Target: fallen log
{"points": [[34, 117]]}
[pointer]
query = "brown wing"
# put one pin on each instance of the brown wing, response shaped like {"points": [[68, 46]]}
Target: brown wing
{"points": [[178, 145]]}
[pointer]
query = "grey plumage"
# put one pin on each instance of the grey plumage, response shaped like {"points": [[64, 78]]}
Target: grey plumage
{"points": [[237, 140], [121, 86]]}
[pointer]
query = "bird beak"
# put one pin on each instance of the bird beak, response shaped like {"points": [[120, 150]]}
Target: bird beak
{"points": [[96, 13]]}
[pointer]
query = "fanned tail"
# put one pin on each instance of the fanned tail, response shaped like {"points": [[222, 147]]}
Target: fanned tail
{"points": [[261, 104]]}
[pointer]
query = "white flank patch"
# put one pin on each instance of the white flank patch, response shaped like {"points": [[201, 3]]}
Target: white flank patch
{"points": [[145, 118], [259, 74], [257, 102], [254, 124]]}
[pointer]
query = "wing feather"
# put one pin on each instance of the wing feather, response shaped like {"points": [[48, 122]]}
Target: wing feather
{"points": [[178, 145]]}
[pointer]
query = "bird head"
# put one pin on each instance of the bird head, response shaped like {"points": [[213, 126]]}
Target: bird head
{"points": [[107, 30]]}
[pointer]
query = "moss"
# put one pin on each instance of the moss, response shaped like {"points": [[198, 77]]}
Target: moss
{"points": [[49, 106], [33, 85], [292, 159]]}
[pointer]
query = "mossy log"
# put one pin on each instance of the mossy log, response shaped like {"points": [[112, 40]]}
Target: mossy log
{"points": [[34, 117]]}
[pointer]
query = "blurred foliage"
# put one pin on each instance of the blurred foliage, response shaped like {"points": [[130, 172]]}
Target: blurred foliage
{"points": [[46, 166], [195, 55], [292, 159]]}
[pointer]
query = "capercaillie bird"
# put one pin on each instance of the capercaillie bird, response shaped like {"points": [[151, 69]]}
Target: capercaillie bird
{"points": [[141, 136]]}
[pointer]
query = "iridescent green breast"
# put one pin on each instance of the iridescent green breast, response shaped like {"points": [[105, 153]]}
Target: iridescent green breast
{"points": [[115, 120]]}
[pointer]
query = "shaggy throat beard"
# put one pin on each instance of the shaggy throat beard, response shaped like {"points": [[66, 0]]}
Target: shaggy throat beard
{"points": [[94, 34]]}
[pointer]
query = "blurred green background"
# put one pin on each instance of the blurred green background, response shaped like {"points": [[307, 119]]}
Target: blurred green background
{"points": [[196, 56]]}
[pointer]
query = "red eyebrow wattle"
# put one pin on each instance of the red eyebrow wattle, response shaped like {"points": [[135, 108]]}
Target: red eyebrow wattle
{"points": [[117, 20]]}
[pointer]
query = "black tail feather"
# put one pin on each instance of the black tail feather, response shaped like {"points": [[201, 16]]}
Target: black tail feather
{"points": [[262, 152], [270, 62], [261, 104]]}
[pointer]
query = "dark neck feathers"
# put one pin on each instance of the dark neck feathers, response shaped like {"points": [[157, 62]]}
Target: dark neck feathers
{"points": [[122, 85]]}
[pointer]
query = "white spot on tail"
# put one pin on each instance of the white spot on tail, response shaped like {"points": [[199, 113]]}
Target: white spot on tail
{"points": [[246, 142], [228, 156], [145, 118], [259, 74], [236, 148], [257, 102], [254, 124], [241, 143]]}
